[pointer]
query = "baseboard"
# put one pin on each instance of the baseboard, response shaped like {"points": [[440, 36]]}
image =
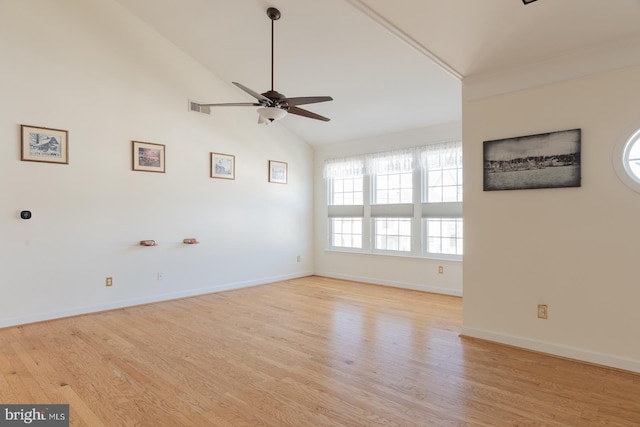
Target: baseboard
{"points": [[403, 285], [51, 315], [568, 352]]}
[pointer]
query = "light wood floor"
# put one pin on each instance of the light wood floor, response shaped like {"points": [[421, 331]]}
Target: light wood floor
{"points": [[305, 352]]}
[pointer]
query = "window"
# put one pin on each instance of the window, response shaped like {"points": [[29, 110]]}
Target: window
{"points": [[393, 234], [443, 236], [407, 202], [392, 176], [393, 188], [346, 203], [627, 160], [347, 191], [443, 174], [631, 157], [346, 232]]}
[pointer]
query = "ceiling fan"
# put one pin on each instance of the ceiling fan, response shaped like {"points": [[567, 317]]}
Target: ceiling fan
{"points": [[274, 105]]}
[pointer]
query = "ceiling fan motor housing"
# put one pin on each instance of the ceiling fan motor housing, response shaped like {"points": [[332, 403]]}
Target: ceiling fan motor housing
{"points": [[273, 13]]}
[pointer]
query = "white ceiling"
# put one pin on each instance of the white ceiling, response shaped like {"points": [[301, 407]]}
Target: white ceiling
{"points": [[390, 66]]}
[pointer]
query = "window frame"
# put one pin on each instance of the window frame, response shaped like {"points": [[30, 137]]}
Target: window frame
{"points": [[416, 212]]}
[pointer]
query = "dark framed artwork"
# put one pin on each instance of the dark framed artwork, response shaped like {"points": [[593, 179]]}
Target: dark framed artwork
{"points": [[44, 145], [547, 160], [148, 157]]}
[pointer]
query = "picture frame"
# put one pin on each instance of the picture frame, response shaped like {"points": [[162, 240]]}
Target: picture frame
{"points": [[546, 160], [278, 172], [148, 157], [223, 166], [47, 145]]}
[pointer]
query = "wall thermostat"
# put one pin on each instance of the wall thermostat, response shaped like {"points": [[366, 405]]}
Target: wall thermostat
{"points": [[25, 214]]}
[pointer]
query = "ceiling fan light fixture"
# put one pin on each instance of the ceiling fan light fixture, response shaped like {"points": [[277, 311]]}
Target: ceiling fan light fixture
{"points": [[270, 114]]}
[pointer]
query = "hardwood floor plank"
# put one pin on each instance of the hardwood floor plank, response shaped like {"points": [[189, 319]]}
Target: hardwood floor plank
{"points": [[304, 352]]}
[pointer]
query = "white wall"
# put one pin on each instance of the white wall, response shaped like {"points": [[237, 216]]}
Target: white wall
{"points": [[412, 273], [574, 249], [93, 69]]}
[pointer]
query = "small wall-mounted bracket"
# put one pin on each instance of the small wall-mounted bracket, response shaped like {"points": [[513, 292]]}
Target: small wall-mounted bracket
{"points": [[190, 241], [148, 243]]}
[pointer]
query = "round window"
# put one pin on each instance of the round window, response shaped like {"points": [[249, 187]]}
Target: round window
{"points": [[627, 161], [631, 157]]}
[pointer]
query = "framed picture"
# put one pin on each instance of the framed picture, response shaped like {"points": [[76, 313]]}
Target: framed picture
{"points": [[44, 145], [277, 172], [223, 166], [548, 160], [148, 157]]}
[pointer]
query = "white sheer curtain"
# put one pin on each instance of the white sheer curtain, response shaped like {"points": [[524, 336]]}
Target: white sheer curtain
{"points": [[442, 155], [344, 168], [396, 161], [432, 156]]}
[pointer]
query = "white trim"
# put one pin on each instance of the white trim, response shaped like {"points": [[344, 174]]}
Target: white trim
{"points": [[393, 284], [555, 349], [386, 24], [51, 315], [577, 64], [619, 154]]}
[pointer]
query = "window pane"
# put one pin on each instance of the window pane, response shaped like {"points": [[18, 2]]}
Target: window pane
{"points": [[346, 232], [404, 243], [450, 177], [348, 185], [393, 234], [434, 194], [433, 246], [434, 178], [443, 236], [346, 191], [634, 166], [449, 194], [405, 228], [393, 188], [443, 176], [634, 152], [406, 180]]}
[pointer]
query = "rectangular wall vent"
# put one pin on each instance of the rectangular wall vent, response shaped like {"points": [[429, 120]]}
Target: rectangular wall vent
{"points": [[194, 106]]}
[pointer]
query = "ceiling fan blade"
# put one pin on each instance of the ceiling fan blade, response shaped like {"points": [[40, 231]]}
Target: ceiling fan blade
{"points": [[233, 104], [253, 93], [306, 113], [307, 100]]}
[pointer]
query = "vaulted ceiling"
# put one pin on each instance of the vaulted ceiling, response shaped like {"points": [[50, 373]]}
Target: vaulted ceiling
{"points": [[390, 66]]}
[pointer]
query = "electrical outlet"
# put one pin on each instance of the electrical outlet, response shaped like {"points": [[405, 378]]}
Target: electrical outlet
{"points": [[440, 269], [160, 276], [543, 311], [109, 281], [298, 258]]}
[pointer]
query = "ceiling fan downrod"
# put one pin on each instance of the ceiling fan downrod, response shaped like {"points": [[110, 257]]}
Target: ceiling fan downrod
{"points": [[274, 15]]}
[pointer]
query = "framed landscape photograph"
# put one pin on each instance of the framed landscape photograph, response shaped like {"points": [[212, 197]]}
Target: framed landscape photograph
{"points": [[44, 145], [548, 160], [223, 166], [277, 172], [148, 157]]}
